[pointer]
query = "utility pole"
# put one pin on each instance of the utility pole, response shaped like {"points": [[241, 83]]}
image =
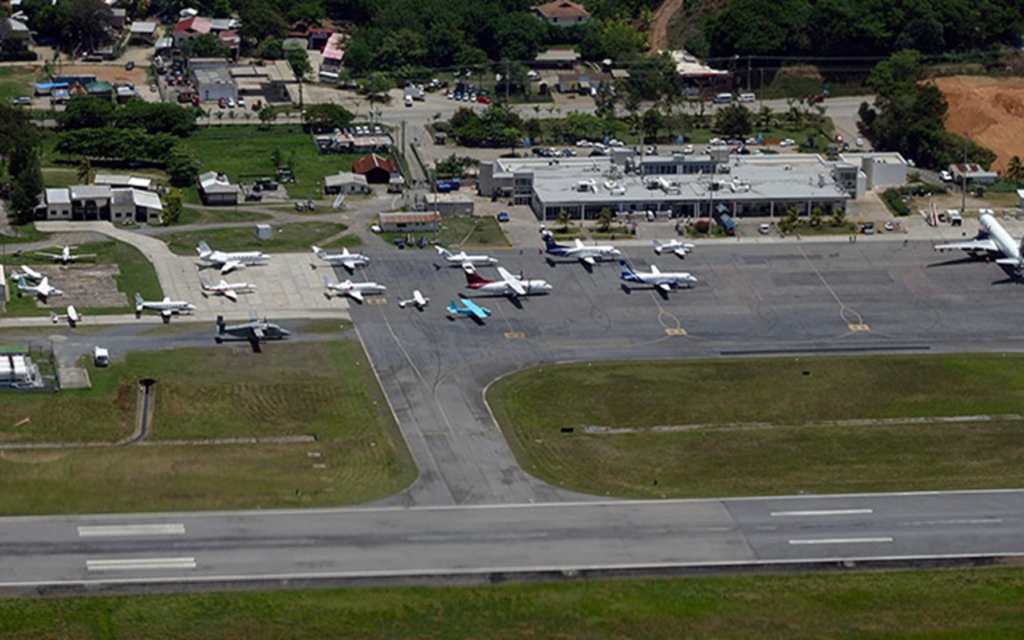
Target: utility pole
{"points": [[508, 82], [963, 174], [748, 73]]}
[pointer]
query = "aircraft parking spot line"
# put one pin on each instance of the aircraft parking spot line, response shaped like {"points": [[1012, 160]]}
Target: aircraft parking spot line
{"points": [[860, 327], [676, 331], [101, 531], [515, 335], [140, 564], [376, 300], [805, 541], [821, 512]]}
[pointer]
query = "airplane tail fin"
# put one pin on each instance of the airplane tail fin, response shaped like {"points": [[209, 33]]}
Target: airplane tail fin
{"points": [[328, 282], [220, 325], [441, 251], [203, 249], [53, 318], [474, 280], [138, 299], [317, 251], [626, 269], [657, 247], [21, 282], [549, 241]]}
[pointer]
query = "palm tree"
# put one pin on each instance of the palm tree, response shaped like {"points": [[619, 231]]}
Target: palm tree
{"points": [[764, 118], [219, 115], [85, 173], [1015, 170], [564, 218], [604, 219]]}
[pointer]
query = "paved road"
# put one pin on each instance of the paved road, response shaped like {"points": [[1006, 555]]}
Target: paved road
{"points": [[470, 511]]}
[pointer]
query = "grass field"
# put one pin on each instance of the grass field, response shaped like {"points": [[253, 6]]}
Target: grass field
{"points": [[26, 233], [980, 603], [136, 274], [756, 433], [244, 153], [483, 231], [326, 390], [288, 238], [208, 216], [16, 81]]}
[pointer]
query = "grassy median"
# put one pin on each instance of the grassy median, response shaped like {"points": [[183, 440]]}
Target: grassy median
{"points": [[295, 237], [325, 390], [950, 604], [750, 427]]}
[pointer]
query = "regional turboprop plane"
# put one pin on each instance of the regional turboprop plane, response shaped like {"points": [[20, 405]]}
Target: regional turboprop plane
{"points": [[588, 255], [675, 246], [166, 307], [509, 285], [664, 281], [354, 290]]}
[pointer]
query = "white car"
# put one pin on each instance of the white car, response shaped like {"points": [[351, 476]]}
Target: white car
{"points": [[860, 142], [614, 142], [584, 143], [231, 103], [688, 149], [945, 176], [241, 102], [747, 97], [764, 228]]}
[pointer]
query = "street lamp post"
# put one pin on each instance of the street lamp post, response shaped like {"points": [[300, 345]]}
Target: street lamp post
{"points": [[963, 175]]}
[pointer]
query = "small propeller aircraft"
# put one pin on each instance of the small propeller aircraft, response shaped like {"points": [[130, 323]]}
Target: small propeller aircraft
{"points": [[469, 308], [681, 249], [72, 316], [65, 256], [417, 299], [166, 307], [44, 290], [354, 290]]}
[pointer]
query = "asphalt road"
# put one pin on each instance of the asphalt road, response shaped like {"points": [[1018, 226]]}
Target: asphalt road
{"points": [[473, 511]]}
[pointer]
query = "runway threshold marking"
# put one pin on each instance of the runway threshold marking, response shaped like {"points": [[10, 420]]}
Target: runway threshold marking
{"points": [[140, 564], [176, 529], [880, 539], [822, 512]]}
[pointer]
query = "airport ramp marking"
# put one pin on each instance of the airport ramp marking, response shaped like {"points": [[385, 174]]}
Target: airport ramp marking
{"points": [[376, 300], [515, 335], [676, 331], [821, 512], [121, 530], [140, 564], [860, 327], [875, 540]]}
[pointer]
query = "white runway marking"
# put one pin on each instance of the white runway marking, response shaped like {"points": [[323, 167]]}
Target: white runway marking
{"points": [[177, 529], [140, 564], [931, 523], [824, 512], [840, 540]]}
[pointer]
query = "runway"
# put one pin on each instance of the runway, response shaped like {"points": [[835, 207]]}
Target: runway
{"points": [[475, 512]]}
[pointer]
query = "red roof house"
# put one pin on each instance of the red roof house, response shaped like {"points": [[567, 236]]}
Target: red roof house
{"points": [[377, 169]]}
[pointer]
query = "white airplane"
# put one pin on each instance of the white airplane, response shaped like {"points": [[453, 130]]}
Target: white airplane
{"points": [[663, 281], [227, 289], [675, 246], [463, 260], [28, 273], [348, 260], [417, 299], [72, 316], [43, 289], [586, 254], [65, 256], [992, 240], [354, 290], [510, 285], [166, 307], [229, 261]]}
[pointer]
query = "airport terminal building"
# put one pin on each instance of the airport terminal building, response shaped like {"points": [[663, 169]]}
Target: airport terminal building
{"points": [[677, 186]]}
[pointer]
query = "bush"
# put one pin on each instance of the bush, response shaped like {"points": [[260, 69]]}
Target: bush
{"points": [[893, 200]]}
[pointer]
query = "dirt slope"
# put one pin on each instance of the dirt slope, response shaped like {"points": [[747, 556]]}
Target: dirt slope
{"points": [[990, 110]]}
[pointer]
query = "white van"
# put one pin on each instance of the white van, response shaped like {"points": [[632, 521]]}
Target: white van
{"points": [[747, 97], [408, 100], [723, 98]]}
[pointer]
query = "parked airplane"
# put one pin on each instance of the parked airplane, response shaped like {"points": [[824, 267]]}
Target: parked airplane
{"points": [[229, 261], [229, 290], [417, 299], [354, 290], [663, 281], [43, 289], [675, 246], [469, 308], [28, 273], [464, 260], [72, 316], [65, 256], [509, 285], [992, 240], [586, 254], [255, 331], [166, 307], [348, 260]]}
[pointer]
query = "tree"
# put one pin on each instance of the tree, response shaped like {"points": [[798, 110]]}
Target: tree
{"points": [[155, 117], [450, 167], [765, 117], [205, 46], [182, 165], [299, 62], [270, 49], [28, 184], [85, 172], [517, 36], [1015, 170], [652, 123], [261, 20], [564, 219], [605, 217], [838, 216], [173, 203], [734, 121], [377, 86], [85, 22], [85, 112], [817, 216], [327, 117], [268, 115]]}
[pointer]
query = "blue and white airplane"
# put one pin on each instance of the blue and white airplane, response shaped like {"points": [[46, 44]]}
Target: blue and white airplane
{"points": [[469, 308], [663, 281], [44, 289], [588, 255]]}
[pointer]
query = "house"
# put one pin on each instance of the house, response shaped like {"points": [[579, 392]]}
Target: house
{"points": [[117, 18], [563, 13], [973, 173], [377, 169], [700, 79], [213, 80], [215, 189], [100, 89], [142, 33], [102, 202], [332, 57], [555, 58], [401, 222], [190, 28], [14, 35], [351, 140], [581, 82], [120, 180], [346, 182]]}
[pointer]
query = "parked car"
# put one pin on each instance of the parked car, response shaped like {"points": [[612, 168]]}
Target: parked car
{"points": [[128, 66], [222, 103], [482, 99], [231, 103], [868, 228], [22, 101], [945, 176], [764, 228], [688, 149], [241, 102], [747, 97], [815, 98], [503, 216], [399, 243]]}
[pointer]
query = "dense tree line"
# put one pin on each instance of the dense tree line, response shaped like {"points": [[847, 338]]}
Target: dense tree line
{"points": [[20, 174], [89, 112], [843, 28]]}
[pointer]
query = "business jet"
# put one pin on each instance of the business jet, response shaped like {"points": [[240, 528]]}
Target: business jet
{"points": [[470, 309], [229, 290], [65, 256], [588, 255], [463, 259], [44, 290], [28, 273], [992, 240], [418, 300], [681, 249], [229, 261], [348, 260], [510, 285], [166, 307], [664, 281], [354, 290], [72, 316]]}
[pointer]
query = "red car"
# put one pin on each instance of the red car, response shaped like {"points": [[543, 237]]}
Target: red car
{"points": [[222, 103], [482, 99], [815, 99]]}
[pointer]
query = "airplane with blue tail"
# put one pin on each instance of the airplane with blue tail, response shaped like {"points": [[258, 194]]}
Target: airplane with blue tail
{"points": [[664, 281], [470, 309], [588, 255]]}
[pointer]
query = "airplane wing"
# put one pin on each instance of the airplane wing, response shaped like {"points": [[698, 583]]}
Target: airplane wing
{"points": [[356, 295], [49, 255], [665, 285], [985, 244], [230, 294], [512, 282], [230, 265], [475, 309], [167, 313], [79, 256], [589, 259], [257, 333], [349, 264]]}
